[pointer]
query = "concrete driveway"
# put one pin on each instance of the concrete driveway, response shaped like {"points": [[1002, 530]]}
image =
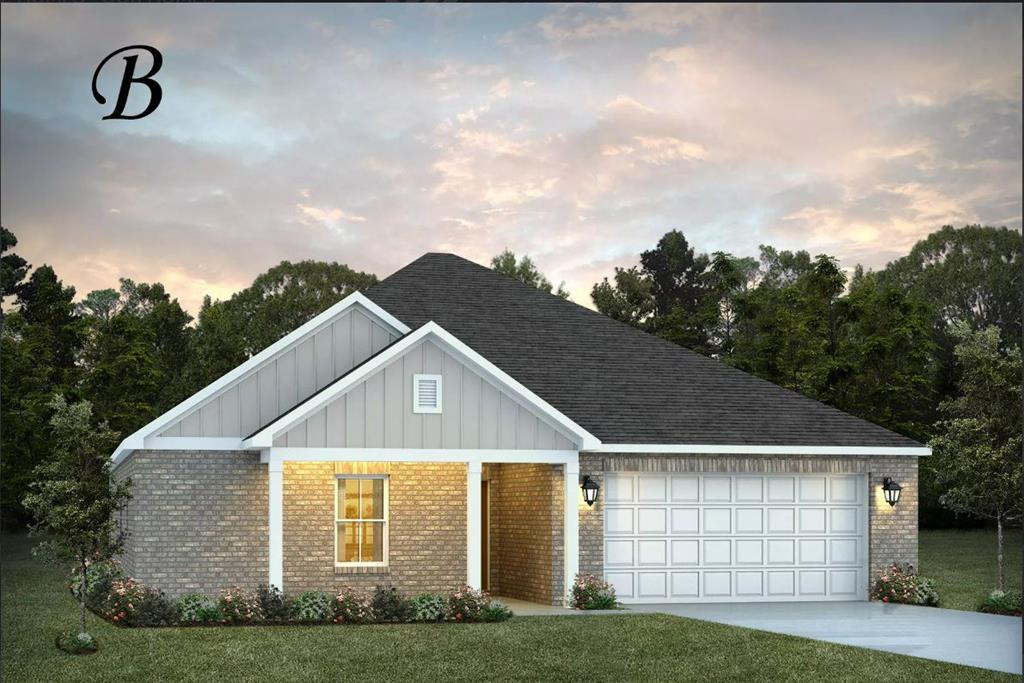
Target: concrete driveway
{"points": [[985, 640]]}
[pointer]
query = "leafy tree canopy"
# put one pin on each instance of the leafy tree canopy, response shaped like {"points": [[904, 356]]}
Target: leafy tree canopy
{"points": [[525, 271]]}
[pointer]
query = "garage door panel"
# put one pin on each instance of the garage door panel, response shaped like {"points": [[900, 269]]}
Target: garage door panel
{"points": [[652, 552], [735, 537], [685, 489], [652, 489]]}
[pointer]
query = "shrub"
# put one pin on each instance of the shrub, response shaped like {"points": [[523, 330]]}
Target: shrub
{"points": [[351, 608], [590, 592], [495, 611], [131, 603], [76, 643], [312, 606], [99, 576], [239, 606], [899, 583], [429, 607], [466, 604], [273, 603], [194, 608], [389, 605], [1002, 602]]}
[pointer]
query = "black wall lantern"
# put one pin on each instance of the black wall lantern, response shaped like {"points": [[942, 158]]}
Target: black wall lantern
{"points": [[891, 489], [590, 489]]}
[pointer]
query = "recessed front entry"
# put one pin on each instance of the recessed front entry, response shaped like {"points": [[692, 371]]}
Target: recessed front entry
{"points": [[735, 538]]}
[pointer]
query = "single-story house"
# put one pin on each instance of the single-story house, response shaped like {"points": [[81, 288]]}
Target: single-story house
{"points": [[440, 428]]}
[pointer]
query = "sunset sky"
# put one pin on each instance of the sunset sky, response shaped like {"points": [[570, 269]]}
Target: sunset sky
{"points": [[578, 134]]}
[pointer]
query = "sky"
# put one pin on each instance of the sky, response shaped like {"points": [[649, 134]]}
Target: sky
{"points": [[578, 134]]}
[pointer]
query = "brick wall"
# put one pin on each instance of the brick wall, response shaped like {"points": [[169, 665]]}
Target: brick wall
{"points": [[526, 531], [198, 520], [427, 527], [893, 531]]}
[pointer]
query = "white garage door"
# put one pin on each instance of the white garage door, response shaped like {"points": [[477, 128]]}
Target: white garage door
{"points": [[735, 538]]}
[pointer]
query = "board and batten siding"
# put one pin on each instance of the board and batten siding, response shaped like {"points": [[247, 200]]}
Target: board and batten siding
{"points": [[288, 378], [378, 412]]}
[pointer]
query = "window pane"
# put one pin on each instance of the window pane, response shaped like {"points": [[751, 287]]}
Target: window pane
{"points": [[373, 499], [351, 507], [373, 541], [348, 542]]}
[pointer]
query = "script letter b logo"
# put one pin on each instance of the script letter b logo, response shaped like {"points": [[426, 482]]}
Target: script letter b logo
{"points": [[128, 78]]}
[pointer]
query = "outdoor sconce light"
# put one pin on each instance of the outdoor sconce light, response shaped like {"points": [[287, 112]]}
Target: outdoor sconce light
{"points": [[891, 489], [590, 489]]}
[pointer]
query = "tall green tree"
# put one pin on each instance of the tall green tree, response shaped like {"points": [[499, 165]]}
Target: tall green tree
{"points": [[73, 500], [978, 443], [525, 270], [680, 290], [13, 268], [628, 300], [39, 346]]}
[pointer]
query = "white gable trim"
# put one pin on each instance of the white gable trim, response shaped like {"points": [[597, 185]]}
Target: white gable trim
{"points": [[144, 437], [265, 437], [719, 449]]}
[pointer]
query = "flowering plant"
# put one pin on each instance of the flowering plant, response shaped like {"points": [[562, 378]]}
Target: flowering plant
{"points": [[239, 607], [590, 592], [131, 603], [467, 604], [900, 583], [351, 608]]}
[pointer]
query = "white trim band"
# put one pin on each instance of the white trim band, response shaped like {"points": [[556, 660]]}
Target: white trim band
{"points": [[719, 449]]}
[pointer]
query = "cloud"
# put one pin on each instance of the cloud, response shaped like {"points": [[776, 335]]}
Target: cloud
{"points": [[578, 134]]}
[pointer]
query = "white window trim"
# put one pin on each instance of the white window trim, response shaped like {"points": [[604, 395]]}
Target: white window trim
{"points": [[416, 380], [386, 520]]}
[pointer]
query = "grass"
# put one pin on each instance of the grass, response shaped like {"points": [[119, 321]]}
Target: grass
{"points": [[963, 563], [37, 607]]}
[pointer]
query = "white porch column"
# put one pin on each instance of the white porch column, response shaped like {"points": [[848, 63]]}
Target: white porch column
{"points": [[571, 527], [473, 521], [275, 478]]}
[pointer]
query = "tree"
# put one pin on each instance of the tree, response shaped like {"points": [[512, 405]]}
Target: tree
{"points": [[728, 277], [39, 346], [978, 444], [680, 290], [13, 268], [629, 300], [73, 499], [526, 272]]}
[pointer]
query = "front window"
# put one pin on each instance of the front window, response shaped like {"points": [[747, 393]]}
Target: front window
{"points": [[361, 521]]}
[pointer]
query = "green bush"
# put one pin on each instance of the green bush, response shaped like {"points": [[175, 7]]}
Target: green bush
{"points": [[239, 606], [900, 583], [1002, 602], [273, 603], [76, 643], [389, 605], [429, 607], [194, 608], [99, 576], [495, 611], [131, 603], [590, 592], [312, 606], [351, 608]]}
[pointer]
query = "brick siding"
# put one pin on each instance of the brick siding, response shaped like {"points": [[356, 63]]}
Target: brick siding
{"points": [[197, 520], [427, 527]]}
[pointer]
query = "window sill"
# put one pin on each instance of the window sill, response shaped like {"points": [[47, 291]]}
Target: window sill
{"points": [[362, 569]]}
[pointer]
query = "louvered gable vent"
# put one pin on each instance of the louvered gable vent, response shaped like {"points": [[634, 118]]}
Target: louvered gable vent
{"points": [[426, 393]]}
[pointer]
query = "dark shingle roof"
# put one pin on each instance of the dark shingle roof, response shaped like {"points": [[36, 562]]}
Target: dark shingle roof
{"points": [[621, 384]]}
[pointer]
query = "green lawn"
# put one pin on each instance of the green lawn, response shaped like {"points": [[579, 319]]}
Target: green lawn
{"points": [[36, 607], [963, 563]]}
